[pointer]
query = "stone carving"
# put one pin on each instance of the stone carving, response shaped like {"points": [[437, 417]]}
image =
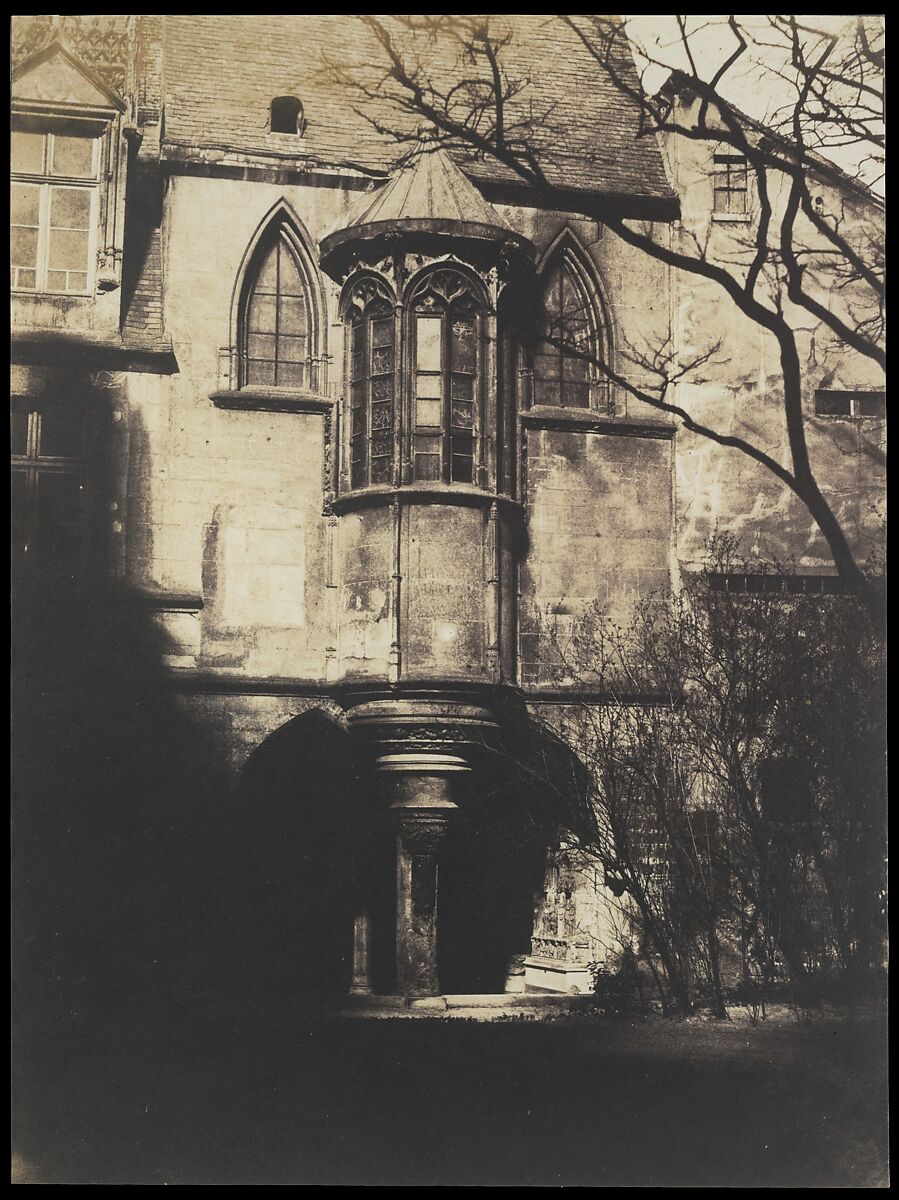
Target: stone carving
{"points": [[328, 463], [423, 830], [100, 42], [443, 288], [363, 291], [550, 947], [30, 34]]}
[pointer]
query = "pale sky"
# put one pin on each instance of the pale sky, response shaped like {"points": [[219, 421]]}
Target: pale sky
{"points": [[752, 84]]}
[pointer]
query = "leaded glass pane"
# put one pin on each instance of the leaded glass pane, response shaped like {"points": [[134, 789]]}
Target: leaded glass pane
{"points": [[462, 462], [61, 431], [429, 413], [547, 391], [463, 387], [382, 332], [429, 386], [381, 360], [260, 373], [73, 156], [465, 348], [261, 345], [70, 208], [463, 416], [291, 374], [428, 343], [28, 152], [263, 313], [380, 469], [577, 395], [427, 467], [267, 277], [293, 316], [68, 250], [291, 349], [18, 430], [59, 499], [24, 204], [381, 416], [289, 282], [23, 247]]}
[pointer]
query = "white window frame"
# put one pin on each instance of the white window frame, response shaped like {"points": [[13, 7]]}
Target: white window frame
{"points": [[45, 182]]}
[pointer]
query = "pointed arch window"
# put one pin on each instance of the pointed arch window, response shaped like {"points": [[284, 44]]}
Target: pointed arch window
{"points": [[371, 354], [447, 319], [570, 340], [276, 337]]}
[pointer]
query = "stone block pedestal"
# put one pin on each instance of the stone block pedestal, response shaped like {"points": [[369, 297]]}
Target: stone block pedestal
{"points": [[569, 978]]}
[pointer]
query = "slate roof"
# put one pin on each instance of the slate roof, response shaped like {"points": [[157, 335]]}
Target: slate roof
{"points": [[221, 73]]}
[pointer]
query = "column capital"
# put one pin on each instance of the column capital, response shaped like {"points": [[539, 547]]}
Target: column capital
{"points": [[423, 830]]}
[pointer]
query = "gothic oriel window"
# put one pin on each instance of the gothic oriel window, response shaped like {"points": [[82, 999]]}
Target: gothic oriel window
{"points": [[371, 338], [447, 320], [569, 340], [54, 211], [275, 349]]}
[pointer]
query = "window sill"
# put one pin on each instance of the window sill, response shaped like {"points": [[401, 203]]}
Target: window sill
{"points": [[849, 416], [732, 218], [36, 294], [420, 493], [159, 600], [585, 420], [281, 400]]}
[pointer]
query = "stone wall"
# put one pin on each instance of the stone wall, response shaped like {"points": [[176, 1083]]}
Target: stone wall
{"points": [[740, 392], [600, 533]]}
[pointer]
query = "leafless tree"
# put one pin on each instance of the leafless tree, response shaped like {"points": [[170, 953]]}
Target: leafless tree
{"points": [[736, 771], [456, 74]]}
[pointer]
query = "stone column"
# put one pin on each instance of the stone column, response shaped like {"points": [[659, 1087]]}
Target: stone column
{"points": [[422, 808]]}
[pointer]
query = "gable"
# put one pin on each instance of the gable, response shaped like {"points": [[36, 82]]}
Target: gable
{"points": [[55, 77]]}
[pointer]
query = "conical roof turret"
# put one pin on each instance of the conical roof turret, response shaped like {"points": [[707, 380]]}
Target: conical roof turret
{"points": [[429, 195]]}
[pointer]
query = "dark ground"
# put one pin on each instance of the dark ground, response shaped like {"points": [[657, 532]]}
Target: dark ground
{"points": [[261, 1095]]}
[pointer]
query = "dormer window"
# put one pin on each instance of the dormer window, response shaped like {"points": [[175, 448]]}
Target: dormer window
{"points": [[287, 115], [54, 211]]}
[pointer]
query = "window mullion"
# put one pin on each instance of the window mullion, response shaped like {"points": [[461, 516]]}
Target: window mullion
{"points": [[34, 430], [369, 394], [43, 234], [561, 334], [278, 252]]}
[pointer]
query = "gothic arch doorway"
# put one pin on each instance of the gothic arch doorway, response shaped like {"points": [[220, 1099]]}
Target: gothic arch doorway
{"points": [[307, 826]]}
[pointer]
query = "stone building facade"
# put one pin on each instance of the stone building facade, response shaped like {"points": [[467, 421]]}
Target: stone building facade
{"points": [[279, 396]]}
